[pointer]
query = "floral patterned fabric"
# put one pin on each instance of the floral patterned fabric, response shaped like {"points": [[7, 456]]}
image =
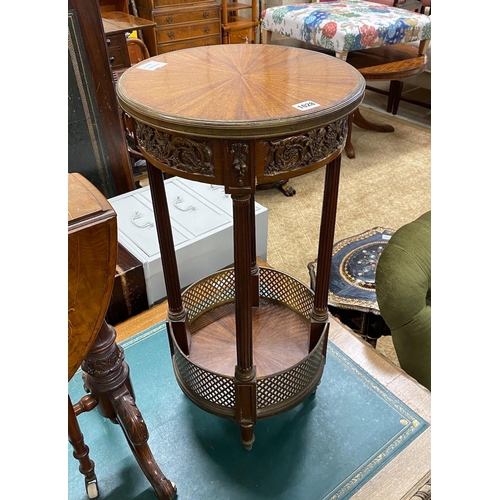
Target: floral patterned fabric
{"points": [[345, 26]]}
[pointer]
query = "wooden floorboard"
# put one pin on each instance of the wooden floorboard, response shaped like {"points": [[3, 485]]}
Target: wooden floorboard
{"points": [[141, 322]]}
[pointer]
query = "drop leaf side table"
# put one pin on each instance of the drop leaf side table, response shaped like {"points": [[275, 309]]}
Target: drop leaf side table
{"points": [[92, 251], [247, 342]]}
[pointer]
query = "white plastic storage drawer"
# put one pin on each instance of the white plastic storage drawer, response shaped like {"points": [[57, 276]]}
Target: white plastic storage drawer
{"points": [[202, 225]]}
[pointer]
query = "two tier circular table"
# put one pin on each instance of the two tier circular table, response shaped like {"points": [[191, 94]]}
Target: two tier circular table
{"points": [[248, 342]]}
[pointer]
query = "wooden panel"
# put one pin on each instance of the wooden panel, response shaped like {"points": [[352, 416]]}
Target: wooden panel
{"points": [[158, 4], [113, 5], [196, 42], [92, 244], [183, 32], [96, 141], [242, 36], [118, 51], [129, 296], [187, 15], [187, 21]]}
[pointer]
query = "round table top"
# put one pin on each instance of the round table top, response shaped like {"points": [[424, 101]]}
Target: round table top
{"points": [[240, 90]]}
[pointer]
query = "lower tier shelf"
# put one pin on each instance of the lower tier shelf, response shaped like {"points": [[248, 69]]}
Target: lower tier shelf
{"points": [[275, 347], [286, 371]]}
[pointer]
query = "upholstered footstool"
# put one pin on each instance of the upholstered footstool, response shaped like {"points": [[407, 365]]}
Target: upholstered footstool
{"points": [[346, 26], [351, 292]]}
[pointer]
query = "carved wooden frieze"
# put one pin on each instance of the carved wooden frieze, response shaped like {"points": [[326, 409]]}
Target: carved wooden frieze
{"points": [[239, 176], [179, 153], [102, 367], [240, 161], [300, 151]]}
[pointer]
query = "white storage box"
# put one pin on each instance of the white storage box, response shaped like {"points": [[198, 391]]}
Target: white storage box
{"points": [[202, 224]]}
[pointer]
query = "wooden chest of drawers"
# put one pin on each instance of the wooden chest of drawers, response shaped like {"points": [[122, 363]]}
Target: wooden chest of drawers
{"points": [[181, 24], [118, 52]]}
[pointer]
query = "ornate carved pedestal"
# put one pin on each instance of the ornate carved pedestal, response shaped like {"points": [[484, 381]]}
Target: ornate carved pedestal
{"points": [[246, 343]]}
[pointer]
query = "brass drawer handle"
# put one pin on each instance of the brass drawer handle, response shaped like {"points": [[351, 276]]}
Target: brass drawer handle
{"points": [[169, 19], [207, 29], [206, 14], [171, 34]]}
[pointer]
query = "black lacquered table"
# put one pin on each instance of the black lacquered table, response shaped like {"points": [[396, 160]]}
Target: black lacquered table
{"points": [[352, 294]]}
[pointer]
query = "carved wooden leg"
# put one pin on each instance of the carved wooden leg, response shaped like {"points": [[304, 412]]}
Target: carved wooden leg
{"points": [[255, 271], [245, 371], [265, 36], [137, 435], [81, 453], [362, 122], [245, 385], [106, 376], [176, 313], [319, 313], [349, 148]]}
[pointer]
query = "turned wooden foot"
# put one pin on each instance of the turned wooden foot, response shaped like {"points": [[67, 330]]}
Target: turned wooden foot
{"points": [[245, 385], [106, 377], [247, 436]]}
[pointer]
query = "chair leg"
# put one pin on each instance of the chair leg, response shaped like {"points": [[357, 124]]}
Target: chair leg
{"points": [[395, 92]]}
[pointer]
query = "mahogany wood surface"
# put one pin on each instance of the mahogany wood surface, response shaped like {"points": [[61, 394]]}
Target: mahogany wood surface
{"points": [[120, 22], [391, 62], [92, 253], [274, 348], [114, 5], [92, 249], [240, 91], [252, 114]]}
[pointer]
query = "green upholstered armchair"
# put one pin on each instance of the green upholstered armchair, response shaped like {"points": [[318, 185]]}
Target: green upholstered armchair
{"points": [[403, 287]]}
